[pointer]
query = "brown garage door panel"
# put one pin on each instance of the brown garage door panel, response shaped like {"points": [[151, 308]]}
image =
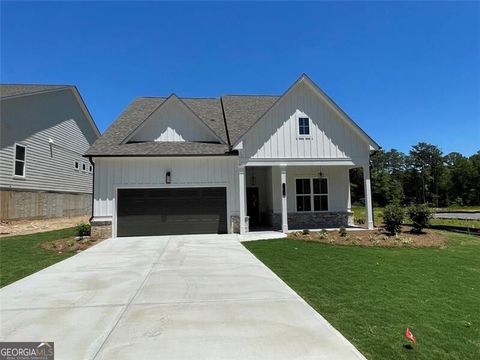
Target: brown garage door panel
{"points": [[143, 212]]}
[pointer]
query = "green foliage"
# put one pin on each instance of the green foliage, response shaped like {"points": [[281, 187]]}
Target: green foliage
{"points": [[342, 231], [420, 216], [306, 231], [393, 216], [83, 229], [425, 175]]}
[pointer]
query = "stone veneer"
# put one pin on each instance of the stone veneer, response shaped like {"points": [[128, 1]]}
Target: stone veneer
{"points": [[101, 229], [314, 220], [235, 224]]}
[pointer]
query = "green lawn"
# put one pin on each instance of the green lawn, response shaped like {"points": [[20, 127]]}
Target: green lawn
{"points": [[372, 294], [22, 255]]}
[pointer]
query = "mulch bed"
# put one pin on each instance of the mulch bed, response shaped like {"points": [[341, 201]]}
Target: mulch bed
{"points": [[69, 245], [377, 238]]}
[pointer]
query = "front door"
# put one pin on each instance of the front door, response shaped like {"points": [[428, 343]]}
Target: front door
{"points": [[253, 209]]}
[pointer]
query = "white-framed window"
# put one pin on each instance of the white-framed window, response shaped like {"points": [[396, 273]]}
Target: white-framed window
{"points": [[76, 165], [19, 160], [311, 194], [84, 167], [90, 168], [303, 126]]}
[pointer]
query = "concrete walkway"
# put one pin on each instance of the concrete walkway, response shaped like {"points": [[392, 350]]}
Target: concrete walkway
{"points": [[185, 297]]}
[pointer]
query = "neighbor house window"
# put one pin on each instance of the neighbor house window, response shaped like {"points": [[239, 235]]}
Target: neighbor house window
{"points": [[304, 126], [90, 168], [84, 167], [76, 165], [19, 163], [312, 194]]}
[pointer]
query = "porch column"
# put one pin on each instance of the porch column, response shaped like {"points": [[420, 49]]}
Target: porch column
{"points": [[283, 192], [242, 199], [368, 196]]}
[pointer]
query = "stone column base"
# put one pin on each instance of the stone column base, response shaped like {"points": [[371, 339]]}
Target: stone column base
{"points": [[235, 224], [101, 230]]}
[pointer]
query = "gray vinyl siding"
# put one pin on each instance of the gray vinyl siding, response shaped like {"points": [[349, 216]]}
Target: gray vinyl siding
{"points": [[33, 120]]}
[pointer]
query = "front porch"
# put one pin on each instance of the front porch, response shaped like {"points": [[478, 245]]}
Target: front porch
{"points": [[294, 197]]}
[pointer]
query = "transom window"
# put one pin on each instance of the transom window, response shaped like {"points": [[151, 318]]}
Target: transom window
{"points": [[312, 194], [19, 163], [304, 126]]}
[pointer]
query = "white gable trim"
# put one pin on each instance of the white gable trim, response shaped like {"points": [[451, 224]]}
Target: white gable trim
{"points": [[304, 79], [171, 98]]}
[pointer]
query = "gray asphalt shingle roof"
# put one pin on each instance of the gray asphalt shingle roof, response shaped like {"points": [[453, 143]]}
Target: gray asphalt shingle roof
{"points": [[241, 112], [8, 90]]}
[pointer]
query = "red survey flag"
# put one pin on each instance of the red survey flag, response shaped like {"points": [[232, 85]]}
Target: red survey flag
{"points": [[409, 335]]}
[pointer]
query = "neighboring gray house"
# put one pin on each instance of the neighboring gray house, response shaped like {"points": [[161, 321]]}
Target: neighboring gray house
{"points": [[230, 164], [44, 131]]}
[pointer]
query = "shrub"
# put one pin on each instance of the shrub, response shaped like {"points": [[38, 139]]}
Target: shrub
{"points": [[323, 234], [82, 229], [393, 216], [342, 231], [420, 216], [306, 231]]}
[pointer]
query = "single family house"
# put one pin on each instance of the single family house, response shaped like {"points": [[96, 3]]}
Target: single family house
{"points": [[173, 165], [44, 132]]}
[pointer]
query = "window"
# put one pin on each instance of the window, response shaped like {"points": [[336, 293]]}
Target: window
{"points": [[84, 167], [304, 126], [90, 168], [76, 165], [19, 163], [312, 194]]}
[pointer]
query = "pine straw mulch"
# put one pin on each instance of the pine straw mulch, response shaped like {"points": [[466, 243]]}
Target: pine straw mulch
{"points": [[69, 245], [378, 237]]}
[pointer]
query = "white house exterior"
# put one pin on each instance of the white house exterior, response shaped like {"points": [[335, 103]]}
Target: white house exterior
{"points": [[178, 165]]}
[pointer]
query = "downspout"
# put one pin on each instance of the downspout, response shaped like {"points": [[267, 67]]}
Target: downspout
{"points": [[93, 186]]}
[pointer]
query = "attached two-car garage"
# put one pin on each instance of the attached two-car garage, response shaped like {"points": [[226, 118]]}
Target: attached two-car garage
{"points": [[171, 211]]}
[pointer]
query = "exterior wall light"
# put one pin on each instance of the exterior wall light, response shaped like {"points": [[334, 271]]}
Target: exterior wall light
{"points": [[168, 177]]}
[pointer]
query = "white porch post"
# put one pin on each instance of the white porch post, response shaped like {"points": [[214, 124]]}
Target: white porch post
{"points": [[242, 199], [283, 192], [368, 196]]}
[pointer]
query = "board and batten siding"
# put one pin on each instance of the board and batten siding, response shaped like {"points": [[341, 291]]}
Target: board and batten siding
{"points": [[276, 136], [337, 179], [124, 172], [32, 121], [172, 121]]}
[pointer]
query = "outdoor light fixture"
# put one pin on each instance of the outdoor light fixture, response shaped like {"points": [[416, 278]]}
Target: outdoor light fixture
{"points": [[168, 177]]}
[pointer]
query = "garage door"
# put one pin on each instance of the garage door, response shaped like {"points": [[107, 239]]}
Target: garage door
{"points": [[144, 212]]}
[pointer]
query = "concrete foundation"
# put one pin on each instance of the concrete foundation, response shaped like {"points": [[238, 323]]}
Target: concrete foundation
{"points": [[32, 204]]}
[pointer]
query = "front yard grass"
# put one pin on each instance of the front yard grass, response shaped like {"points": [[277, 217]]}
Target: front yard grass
{"points": [[22, 255], [372, 294]]}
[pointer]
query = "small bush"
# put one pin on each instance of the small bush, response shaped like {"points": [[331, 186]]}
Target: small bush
{"points": [[393, 216], [306, 231], [420, 216], [323, 234], [82, 229], [343, 232]]}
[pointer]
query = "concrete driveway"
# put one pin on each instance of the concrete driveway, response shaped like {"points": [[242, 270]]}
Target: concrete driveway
{"points": [[172, 297]]}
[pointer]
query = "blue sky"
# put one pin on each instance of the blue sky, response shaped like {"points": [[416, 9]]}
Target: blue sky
{"points": [[406, 72]]}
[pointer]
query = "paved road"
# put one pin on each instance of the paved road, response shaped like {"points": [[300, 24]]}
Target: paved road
{"points": [[190, 297], [467, 216]]}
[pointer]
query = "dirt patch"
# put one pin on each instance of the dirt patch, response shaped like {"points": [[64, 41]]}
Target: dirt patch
{"points": [[69, 245], [375, 238], [24, 227]]}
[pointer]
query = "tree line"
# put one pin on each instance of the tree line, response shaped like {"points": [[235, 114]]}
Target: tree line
{"points": [[423, 176]]}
